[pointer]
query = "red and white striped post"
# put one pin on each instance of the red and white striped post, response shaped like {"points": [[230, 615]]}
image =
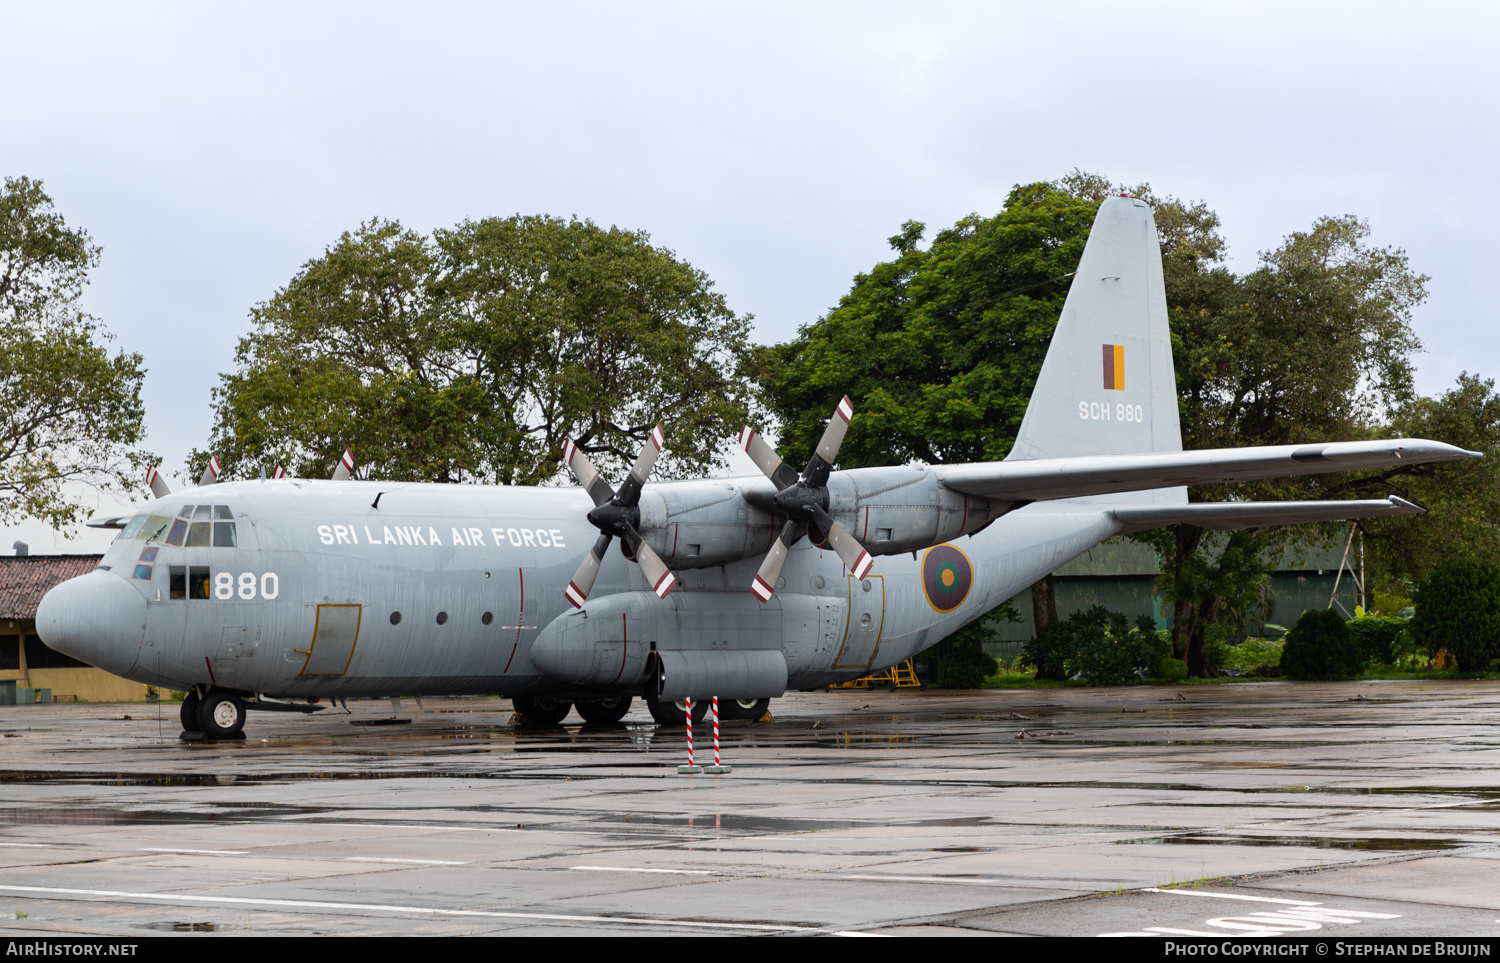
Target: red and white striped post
{"points": [[717, 767], [689, 768]]}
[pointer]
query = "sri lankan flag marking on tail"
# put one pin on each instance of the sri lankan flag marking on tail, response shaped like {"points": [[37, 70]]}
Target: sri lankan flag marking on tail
{"points": [[1114, 367]]}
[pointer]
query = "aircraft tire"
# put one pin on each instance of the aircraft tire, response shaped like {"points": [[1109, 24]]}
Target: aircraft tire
{"points": [[221, 714], [611, 709], [675, 714], [542, 710], [188, 714], [748, 710]]}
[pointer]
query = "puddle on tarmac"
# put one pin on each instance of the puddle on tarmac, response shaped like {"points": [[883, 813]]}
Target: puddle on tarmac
{"points": [[1365, 844]]}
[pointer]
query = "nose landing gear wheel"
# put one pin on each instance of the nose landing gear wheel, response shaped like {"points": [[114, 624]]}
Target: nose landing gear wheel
{"points": [[612, 709], [542, 710], [675, 713], [221, 715]]}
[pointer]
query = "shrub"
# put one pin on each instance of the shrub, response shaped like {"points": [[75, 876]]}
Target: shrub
{"points": [[1173, 670], [1376, 636], [1097, 645], [965, 668], [1319, 647], [1458, 609]]}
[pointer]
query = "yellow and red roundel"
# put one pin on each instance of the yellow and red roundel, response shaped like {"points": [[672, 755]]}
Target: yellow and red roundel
{"points": [[947, 577]]}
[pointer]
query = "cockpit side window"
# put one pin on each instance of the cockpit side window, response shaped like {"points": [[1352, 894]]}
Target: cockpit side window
{"points": [[155, 528]]}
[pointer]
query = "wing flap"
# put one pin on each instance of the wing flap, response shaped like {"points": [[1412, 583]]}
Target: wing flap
{"points": [[1049, 478], [1222, 516]]}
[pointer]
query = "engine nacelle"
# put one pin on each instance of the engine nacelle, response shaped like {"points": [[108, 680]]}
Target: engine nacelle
{"points": [[889, 510]]}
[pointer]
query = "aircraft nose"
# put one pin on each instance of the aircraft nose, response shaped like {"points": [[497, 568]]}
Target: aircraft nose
{"points": [[96, 618]]}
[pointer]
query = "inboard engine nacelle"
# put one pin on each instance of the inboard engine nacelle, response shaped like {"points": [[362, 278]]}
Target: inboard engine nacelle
{"points": [[890, 510]]}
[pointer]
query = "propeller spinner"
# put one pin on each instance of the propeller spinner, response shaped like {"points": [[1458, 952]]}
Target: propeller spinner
{"points": [[615, 515], [804, 500]]}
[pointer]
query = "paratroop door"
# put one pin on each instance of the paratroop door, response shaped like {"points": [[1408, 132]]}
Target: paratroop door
{"points": [[866, 620], [334, 635]]}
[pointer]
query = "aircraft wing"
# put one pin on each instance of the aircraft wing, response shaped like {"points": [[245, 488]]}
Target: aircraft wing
{"points": [[1222, 516], [1048, 478]]}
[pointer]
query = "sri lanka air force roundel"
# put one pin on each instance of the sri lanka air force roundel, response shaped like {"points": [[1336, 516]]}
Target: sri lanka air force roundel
{"points": [[947, 577]]}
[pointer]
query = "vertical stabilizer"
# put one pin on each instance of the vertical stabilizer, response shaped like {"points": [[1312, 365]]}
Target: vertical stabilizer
{"points": [[1107, 386]]}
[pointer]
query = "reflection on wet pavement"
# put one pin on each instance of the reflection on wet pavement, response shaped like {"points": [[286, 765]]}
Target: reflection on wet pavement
{"points": [[851, 811]]}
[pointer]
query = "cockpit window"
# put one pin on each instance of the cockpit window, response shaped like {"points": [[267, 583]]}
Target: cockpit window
{"points": [[155, 528], [196, 526]]}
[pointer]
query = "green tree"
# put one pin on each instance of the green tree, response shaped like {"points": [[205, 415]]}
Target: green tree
{"points": [[474, 353], [1462, 499], [70, 412], [940, 349]]}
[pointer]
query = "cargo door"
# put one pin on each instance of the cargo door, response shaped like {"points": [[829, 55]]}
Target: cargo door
{"points": [[866, 622], [334, 635]]}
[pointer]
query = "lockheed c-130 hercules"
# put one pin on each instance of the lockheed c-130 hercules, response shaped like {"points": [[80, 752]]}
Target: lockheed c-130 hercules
{"points": [[264, 594]]}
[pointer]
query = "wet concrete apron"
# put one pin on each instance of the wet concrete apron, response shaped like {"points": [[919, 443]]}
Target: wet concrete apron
{"points": [[1347, 809]]}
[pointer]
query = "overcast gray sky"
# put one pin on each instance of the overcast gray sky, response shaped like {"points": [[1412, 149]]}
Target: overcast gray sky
{"points": [[213, 148]]}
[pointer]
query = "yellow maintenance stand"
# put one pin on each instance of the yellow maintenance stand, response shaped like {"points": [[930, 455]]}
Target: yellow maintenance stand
{"points": [[899, 676]]}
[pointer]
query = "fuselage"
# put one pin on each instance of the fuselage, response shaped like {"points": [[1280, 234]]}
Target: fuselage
{"points": [[309, 589]]}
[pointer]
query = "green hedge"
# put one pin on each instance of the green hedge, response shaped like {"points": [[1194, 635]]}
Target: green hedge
{"points": [[1458, 609], [1376, 636]]}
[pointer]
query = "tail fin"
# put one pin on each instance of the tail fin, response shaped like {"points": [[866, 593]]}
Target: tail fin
{"points": [[1107, 386]]}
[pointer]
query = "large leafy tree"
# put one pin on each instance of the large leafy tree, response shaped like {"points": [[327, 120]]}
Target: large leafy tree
{"points": [[472, 354], [70, 411], [940, 350]]}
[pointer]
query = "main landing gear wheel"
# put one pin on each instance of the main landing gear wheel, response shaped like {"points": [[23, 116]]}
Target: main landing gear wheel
{"points": [[612, 709], [748, 709], [542, 710], [675, 713], [189, 712], [221, 714]]}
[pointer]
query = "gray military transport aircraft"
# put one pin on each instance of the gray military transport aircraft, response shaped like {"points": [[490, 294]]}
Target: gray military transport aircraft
{"points": [[268, 593]]}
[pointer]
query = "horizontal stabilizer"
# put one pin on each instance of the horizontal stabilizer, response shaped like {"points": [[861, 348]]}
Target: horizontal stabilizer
{"points": [[1049, 478], [1222, 516]]}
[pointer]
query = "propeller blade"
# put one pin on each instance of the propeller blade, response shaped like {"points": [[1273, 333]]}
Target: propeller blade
{"points": [[845, 545], [821, 463], [586, 473], [210, 471], [661, 578], [770, 570], [630, 492], [766, 459], [346, 466], [158, 484], [583, 580], [279, 472]]}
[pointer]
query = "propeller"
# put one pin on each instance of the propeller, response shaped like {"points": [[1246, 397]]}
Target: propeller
{"points": [[156, 483], [804, 500], [210, 471], [615, 515], [346, 466], [279, 472]]}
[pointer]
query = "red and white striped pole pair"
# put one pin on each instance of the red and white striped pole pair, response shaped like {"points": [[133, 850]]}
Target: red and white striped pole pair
{"points": [[717, 767]]}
